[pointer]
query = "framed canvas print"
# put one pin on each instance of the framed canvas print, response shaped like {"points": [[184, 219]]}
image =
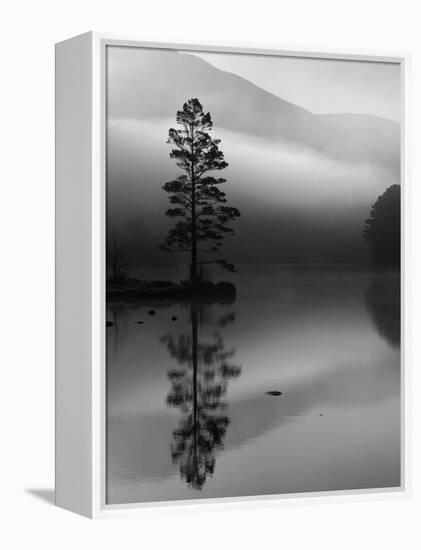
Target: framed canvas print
{"points": [[229, 273]]}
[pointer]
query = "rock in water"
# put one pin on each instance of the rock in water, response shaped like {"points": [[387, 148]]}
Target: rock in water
{"points": [[274, 392], [109, 324], [151, 312]]}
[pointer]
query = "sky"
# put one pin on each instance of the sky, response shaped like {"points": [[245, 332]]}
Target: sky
{"points": [[320, 85]]}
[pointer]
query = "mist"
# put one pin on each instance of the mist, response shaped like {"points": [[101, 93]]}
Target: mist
{"points": [[297, 204]]}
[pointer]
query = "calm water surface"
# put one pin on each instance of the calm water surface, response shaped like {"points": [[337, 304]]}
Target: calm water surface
{"points": [[188, 413]]}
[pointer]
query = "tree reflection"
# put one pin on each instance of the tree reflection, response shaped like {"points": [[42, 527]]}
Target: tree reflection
{"points": [[118, 332], [198, 390], [383, 303]]}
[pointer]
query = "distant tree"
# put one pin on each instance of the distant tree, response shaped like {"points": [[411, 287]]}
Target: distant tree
{"points": [[117, 256], [198, 389], [198, 202], [382, 228]]}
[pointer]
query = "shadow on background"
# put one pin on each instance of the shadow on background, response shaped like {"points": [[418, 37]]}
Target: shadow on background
{"points": [[47, 495]]}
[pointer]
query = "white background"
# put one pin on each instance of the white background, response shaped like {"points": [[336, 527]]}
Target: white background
{"points": [[28, 31]]}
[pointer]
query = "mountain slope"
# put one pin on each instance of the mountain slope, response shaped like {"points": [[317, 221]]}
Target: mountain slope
{"points": [[155, 83]]}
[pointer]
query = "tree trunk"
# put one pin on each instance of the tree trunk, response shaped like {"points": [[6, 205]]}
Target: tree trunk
{"points": [[193, 265]]}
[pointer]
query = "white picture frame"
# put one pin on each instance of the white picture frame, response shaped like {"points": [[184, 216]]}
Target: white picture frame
{"points": [[80, 270]]}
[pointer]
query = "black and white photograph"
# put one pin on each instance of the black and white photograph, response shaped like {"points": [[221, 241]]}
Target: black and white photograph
{"points": [[211, 309], [253, 215]]}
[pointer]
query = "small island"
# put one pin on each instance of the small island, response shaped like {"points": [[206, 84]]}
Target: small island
{"points": [[202, 219], [132, 289]]}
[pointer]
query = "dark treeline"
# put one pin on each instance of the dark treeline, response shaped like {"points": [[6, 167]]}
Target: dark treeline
{"points": [[382, 228]]}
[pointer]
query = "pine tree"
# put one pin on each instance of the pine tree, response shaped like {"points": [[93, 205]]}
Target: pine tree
{"points": [[199, 204]]}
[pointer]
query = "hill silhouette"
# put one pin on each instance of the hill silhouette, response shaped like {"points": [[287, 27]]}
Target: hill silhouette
{"points": [[165, 79]]}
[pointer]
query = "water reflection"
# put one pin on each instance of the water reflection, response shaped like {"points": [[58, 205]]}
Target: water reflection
{"points": [[198, 389], [383, 303], [326, 338], [118, 330]]}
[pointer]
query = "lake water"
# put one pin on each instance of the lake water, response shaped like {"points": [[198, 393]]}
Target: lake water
{"points": [[188, 413]]}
